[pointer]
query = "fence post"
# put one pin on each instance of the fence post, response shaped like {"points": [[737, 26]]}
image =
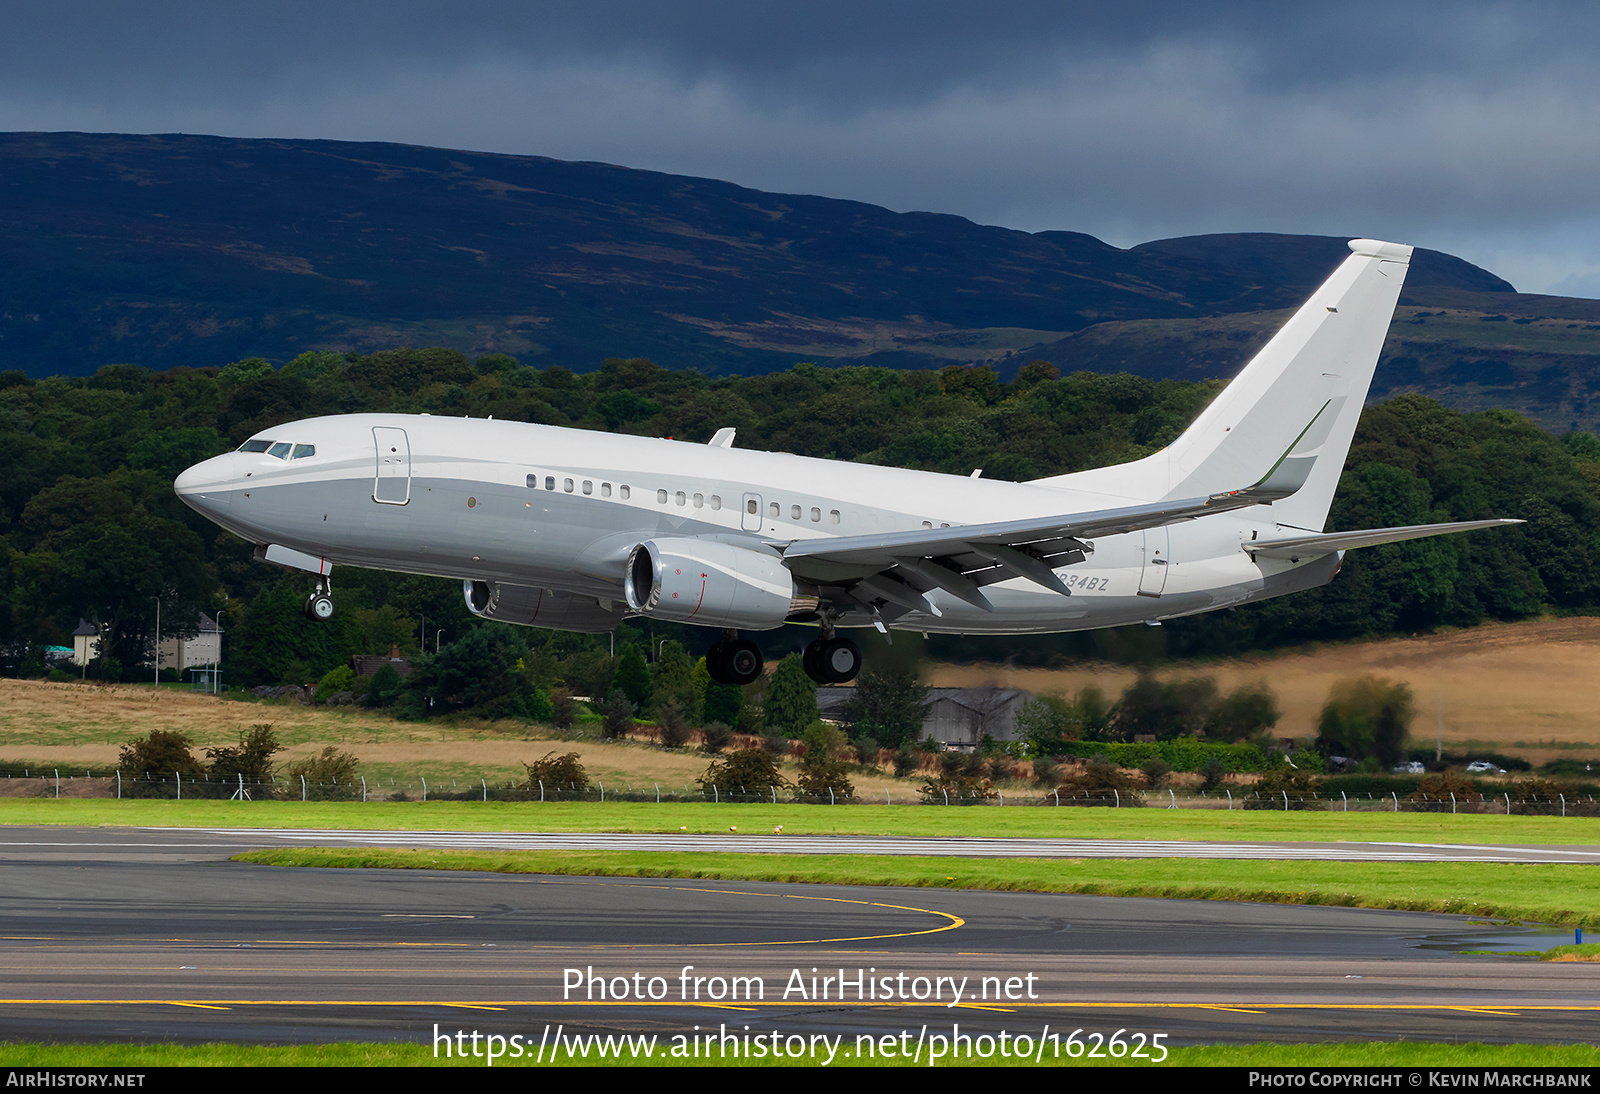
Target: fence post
{"points": [[1452, 802], [946, 794], [541, 790], [1508, 803], [424, 785], [1057, 793], [716, 795], [1285, 801], [303, 789], [1228, 792], [179, 776], [658, 793], [1563, 798], [58, 784], [1396, 798], [1346, 798], [1174, 798], [1119, 797], [602, 790], [830, 795], [363, 788], [119, 787], [485, 783]]}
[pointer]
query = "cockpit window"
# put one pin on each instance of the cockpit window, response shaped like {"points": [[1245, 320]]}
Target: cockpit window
{"points": [[301, 451], [255, 446], [280, 450]]}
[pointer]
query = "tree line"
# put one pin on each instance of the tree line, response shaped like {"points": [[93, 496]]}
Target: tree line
{"points": [[90, 528]]}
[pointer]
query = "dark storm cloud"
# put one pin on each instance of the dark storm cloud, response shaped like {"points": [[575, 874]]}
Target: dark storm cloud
{"points": [[1468, 126]]}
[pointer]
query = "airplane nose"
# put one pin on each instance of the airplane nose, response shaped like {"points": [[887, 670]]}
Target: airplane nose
{"points": [[205, 485]]}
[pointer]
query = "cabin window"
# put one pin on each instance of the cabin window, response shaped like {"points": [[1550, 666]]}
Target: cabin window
{"points": [[927, 524], [699, 501], [775, 509], [301, 451], [549, 482], [816, 514], [255, 446], [625, 492], [716, 501], [661, 497], [605, 490], [566, 484], [944, 526], [280, 450], [794, 512], [750, 507], [833, 515], [681, 498], [533, 482], [588, 486]]}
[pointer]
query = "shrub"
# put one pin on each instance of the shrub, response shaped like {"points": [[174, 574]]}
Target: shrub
{"points": [[749, 770], [716, 737], [672, 728], [252, 759], [960, 780], [330, 776], [1286, 789], [618, 715], [1366, 717], [823, 771], [557, 773], [1102, 783]]}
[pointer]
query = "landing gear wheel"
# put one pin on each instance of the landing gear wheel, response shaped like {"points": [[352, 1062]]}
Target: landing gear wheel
{"points": [[813, 667], [714, 665], [840, 658], [742, 662], [319, 607], [833, 661]]}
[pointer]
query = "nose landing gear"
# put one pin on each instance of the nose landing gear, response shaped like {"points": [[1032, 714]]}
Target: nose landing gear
{"points": [[319, 605]]}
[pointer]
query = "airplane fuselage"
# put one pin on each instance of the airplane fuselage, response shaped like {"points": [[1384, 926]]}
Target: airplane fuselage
{"points": [[561, 509]]}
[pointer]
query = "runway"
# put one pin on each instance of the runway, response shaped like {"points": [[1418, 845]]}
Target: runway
{"points": [[152, 934]]}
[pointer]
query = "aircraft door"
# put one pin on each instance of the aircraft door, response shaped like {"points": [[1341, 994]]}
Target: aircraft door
{"points": [[392, 482], [1157, 551], [750, 514]]}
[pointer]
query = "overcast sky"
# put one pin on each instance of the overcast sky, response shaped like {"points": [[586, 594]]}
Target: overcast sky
{"points": [[1473, 128]]}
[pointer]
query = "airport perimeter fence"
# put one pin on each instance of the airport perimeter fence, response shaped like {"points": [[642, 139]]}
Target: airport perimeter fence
{"points": [[88, 783]]}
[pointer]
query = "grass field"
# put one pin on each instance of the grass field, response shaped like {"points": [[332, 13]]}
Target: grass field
{"points": [[1537, 893], [1521, 688], [812, 819]]}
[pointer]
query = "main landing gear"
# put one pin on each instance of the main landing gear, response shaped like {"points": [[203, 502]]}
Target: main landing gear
{"points": [[319, 605], [828, 660], [832, 660], [735, 660]]}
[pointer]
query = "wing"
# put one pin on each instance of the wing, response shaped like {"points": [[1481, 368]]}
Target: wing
{"points": [[900, 568]]}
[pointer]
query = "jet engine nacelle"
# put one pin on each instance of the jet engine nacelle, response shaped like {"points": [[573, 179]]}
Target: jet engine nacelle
{"points": [[540, 607], [713, 584]]}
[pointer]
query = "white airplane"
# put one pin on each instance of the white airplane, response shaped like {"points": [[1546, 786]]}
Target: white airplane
{"points": [[576, 530]]}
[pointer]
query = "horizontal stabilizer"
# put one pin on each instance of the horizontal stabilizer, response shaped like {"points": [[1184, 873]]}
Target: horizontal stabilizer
{"points": [[1302, 547]]}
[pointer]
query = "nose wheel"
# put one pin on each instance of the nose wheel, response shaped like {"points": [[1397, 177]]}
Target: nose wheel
{"points": [[832, 660], [319, 606]]}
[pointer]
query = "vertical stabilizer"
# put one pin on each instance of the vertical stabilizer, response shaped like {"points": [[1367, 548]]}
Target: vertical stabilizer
{"points": [[1302, 394]]}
